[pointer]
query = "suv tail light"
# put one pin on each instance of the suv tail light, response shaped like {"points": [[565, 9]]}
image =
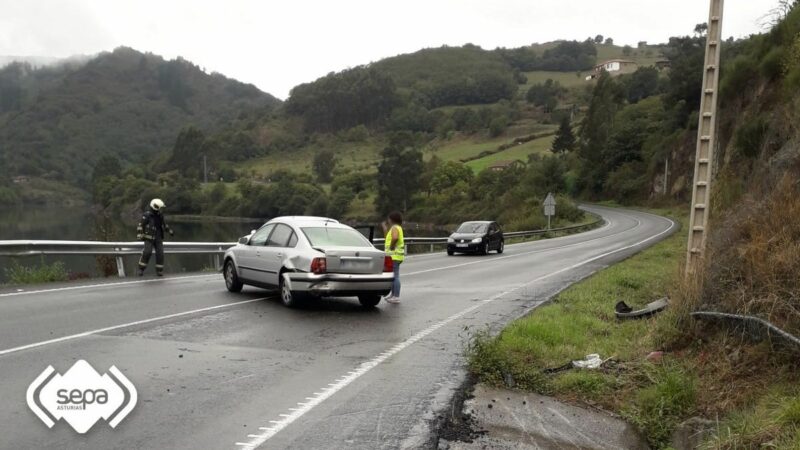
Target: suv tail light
{"points": [[319, 265], [388, 264]]}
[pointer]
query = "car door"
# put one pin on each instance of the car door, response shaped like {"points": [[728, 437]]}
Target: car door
{"points": [[273, 254], [494, 236], [249, 261]]}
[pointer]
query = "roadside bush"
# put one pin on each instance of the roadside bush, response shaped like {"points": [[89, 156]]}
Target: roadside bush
{"points": [[738, 76], [756, 253], [45, 273], [657, 409], [750, 136]]}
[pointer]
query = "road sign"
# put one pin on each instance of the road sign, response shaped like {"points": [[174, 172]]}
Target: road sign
{"points": [[549, 207]]}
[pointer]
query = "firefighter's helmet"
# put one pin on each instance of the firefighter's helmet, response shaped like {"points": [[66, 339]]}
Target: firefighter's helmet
{"points": [[157, 204]]}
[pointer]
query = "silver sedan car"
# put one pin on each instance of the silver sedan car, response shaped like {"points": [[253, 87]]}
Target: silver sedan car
{"points": [[306, 257]]}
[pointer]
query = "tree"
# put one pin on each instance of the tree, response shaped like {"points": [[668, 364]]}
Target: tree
{"points": [[337, 101], [398, 176], [185, 154], [448, 174], [596, 129], [701, 29], [686, 55], [565, 139], [546, 175], [627, 50], [641, 84], [498, 125], [340, 202], [106, 166], [598, 39], [323, 165], [545, 94], [609, 41]]}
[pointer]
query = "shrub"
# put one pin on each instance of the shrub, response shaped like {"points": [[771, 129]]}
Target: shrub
{"points": [[750, 136], [738, 76], [45, 273], [658, 408]]}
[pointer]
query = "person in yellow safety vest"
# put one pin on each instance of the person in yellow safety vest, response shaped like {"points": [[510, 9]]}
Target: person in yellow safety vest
{"points": [[395, 247]]}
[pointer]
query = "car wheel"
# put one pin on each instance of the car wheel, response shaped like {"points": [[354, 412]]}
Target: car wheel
{"points": [[485, 250], [231, 279], [501, 247], [369, 300], [288, 298], [450, 253]]}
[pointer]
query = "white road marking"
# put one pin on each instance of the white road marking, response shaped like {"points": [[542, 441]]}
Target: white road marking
{"points": [[288, 419], [125, 325], [120, 283]]}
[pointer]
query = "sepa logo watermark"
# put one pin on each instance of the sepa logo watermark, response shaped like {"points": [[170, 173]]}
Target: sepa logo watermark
{"points": [[81, 396]]}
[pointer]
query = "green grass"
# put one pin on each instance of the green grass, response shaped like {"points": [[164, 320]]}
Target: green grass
{"points": [[44, 273], [772, 422], [360, 156], [604, 53], [581, 321], [539, 146], [464, 147], [567, 79]]}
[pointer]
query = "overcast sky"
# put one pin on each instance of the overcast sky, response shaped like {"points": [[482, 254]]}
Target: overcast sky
{"points": [[277, 45]]}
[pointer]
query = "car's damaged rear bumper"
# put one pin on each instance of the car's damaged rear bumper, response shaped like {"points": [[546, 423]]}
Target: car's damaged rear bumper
{"points": [[332, 284]]}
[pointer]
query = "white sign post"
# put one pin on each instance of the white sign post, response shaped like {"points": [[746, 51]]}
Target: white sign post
{"points": [[549, 207]]}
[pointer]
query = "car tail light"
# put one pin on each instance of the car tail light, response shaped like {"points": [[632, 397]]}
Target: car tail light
{"points": [[388, 264], [319, 265]]}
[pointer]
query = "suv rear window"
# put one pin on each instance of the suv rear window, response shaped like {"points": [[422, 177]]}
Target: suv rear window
{"points": [[334, 237]]}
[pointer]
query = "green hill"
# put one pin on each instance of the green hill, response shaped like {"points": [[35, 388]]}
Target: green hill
{"points": [[58, 121]]}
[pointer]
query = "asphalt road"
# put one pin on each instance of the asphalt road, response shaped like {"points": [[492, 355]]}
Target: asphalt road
{"points": [[227, 371]]}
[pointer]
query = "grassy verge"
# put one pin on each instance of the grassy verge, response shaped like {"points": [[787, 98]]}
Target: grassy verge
{"points": [[44, 273], [755, 402]]}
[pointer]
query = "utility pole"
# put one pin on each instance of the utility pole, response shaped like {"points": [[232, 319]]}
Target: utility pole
{"points": [[706, 140]]}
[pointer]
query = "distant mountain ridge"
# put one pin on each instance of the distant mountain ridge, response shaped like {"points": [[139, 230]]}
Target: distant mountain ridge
{"points": [[56, 121]]}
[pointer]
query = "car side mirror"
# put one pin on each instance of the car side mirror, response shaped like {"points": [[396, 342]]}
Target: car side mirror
{"points": [[244, 239]]}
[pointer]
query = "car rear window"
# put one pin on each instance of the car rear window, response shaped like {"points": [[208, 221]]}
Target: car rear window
{"points": [[472, 227], [334, 237]]}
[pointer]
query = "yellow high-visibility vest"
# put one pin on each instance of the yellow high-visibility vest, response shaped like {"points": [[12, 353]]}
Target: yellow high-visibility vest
{"points": [[399, 252]]}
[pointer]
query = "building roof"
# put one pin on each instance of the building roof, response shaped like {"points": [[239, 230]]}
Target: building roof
{"points": [[618, 60]]}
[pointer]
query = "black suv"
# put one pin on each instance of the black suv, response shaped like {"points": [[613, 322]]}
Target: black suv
{"points": [[476, 237]]}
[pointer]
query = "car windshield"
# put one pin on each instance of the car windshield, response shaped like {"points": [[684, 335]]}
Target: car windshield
{"points": [[334, 237], [472, 227]]}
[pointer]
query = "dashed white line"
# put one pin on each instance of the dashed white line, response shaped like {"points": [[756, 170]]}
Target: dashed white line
{"points": [[288, 419]]}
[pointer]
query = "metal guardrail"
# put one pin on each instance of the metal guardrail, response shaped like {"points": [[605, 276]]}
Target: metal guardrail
{"points": [[19, 248], [432, 241], [116, 249]]}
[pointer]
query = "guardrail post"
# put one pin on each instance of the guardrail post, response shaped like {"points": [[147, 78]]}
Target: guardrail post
{"points": [[216, 261], [431, 248], [120, 266]]}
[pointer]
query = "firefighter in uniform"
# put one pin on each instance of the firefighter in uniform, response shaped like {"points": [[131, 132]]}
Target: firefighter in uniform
{"points": [[151, 230]]}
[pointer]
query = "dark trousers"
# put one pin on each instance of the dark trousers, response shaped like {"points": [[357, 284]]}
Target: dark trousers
{"points": [[149, 245]]}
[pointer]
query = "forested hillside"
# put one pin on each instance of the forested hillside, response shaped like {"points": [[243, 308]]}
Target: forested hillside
{"points": [[57, 122]]}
